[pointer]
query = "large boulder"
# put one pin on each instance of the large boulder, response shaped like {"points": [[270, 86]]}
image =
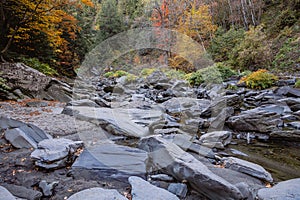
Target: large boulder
{"points": [[117, 121], [217, 139], [143, 190], [97, 194], [287, 190], [110, 161], [249, 168], [22, 135], [5, 194], [255, 120], [169, 158], [190, 106], [33, 83]]}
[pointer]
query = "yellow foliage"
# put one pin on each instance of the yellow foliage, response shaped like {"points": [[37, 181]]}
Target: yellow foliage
{"points": [[259, 79], [197, 22]]}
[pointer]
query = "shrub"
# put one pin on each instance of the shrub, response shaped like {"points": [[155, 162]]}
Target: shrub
{"points": [[180, 63], [288, 55], [41, 67], [147, 71], [259, 79], [131, 77], [116, 74], [225, 71], [246, 73], [297, 84], [3, 87], [175, 74], [208, 75], [253, 51], [224, 42]]}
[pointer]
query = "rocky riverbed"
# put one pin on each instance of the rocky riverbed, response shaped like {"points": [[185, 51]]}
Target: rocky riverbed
{"points": [[153, 138]]}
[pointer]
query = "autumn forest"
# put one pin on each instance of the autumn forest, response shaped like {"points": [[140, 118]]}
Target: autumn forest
{"points": [[54, 36]]}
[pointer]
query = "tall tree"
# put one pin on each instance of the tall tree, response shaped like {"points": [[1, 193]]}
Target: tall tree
{"points": [[110, 19]]}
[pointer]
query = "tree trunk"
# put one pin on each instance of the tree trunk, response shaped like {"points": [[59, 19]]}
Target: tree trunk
{"points": [[244, 14]]}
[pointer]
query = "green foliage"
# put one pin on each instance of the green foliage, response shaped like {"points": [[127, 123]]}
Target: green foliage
{"points": [[225, 71], [3, 87], [260, 79], [297, 84], [232, 87], [207, 75], [286, 18], [224, 42], [42, 67], [175, 74], [110, 19], [147, 71], [131, 77], [253, 52], [116, 74], [246, 73], [288, 55]]}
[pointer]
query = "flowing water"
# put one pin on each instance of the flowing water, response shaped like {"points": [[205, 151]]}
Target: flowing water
{"points": [[281, 159]]}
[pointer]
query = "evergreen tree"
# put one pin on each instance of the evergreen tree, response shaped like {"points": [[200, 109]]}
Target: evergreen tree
{"points": [[111, 21]]}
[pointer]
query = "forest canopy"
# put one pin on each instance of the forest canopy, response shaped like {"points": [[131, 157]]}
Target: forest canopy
{"points": [[243, 34]]}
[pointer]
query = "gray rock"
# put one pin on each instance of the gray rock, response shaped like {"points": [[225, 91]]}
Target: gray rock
{"points": [[192, 107], [288, 91], [23, 192], [167, 131], [47, 188], [83, 102], [237, 152], [246, 190], [291, 135], [185, 143], [216, 139], [121, 121], [293, 103], [5, 194], [279, 109], [255, 120], [110, 161], [172, 160], [143, 190], [37, 104], [156, 77], [246, 167], [179, 189], [53, 153], [33, 83], [161, 177], [295, 125], [22, 135], [287, 190], [97, 194]]}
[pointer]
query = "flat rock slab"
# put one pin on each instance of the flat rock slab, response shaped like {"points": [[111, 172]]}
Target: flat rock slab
{"points": [[97, 194], [249, 168], [22, 192], [53, 153], [122, 120], [110, 161], [5, 194], [143, 190], [287, 190], [213, 138], [22, 135], [255, 120], [171, 159]]}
